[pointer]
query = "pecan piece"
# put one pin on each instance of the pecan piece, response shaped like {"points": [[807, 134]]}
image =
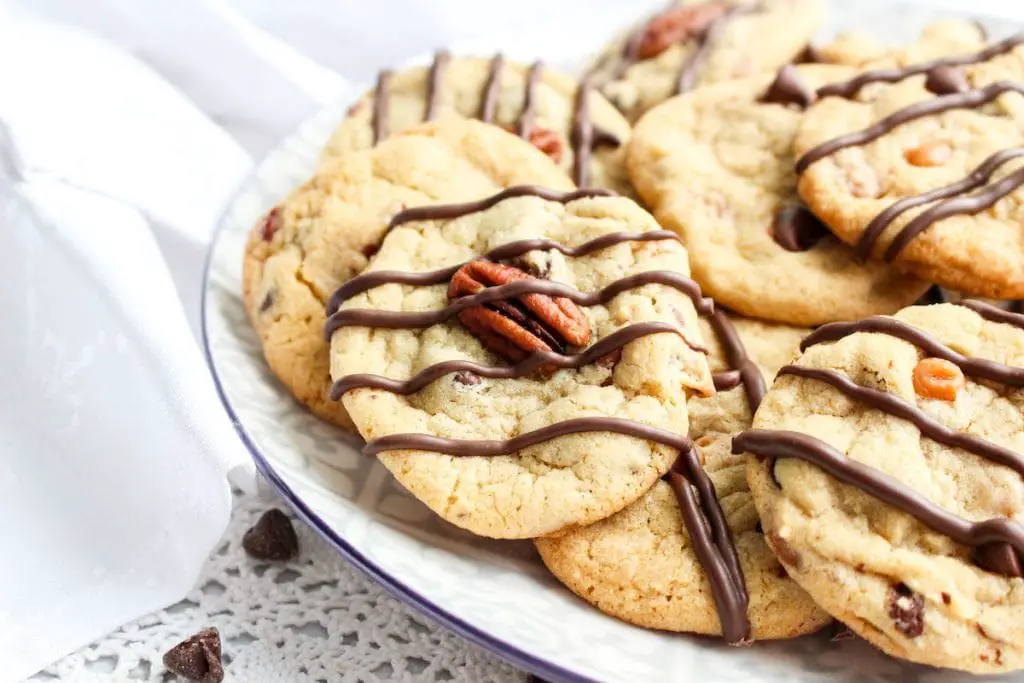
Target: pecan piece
{"points": [[516, 327], [678, 24]]}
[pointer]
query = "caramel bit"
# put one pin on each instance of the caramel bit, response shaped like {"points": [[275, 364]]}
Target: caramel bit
{"points": [[678, 24], [547, 141], [514, 328], [938, 379], [929, 154], [906, 609]]}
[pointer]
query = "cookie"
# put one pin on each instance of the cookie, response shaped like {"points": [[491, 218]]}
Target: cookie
{"points": [[888, 480], [641, 565], [938, 39], [566, 119], [326, 231], [694, 44], [715, 165], [920, 166], [521, 364]]}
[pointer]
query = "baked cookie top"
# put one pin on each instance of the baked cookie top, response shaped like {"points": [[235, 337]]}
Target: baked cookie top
{"points": [[565, 118], [889, 480], [554, 400], [716, 166], [925, 172], [326, 231], [694, 44], [643, 565]]}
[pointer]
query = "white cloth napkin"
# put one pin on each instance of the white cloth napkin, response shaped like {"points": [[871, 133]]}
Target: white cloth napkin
{"points": [[114, 451]]}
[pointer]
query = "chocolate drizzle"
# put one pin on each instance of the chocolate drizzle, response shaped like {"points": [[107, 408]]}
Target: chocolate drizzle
{"points": [[492, 89], [978, 177], [786, 444], [581, 137], [705, 41], [971, 99], [703, 516], [796, 229], [381, 98], [851, 87], [434, 78], [994, 313], [973, 367], [524, 124]]}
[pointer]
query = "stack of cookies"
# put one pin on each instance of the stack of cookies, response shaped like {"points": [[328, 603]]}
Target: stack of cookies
{"points": [[698, 322]]}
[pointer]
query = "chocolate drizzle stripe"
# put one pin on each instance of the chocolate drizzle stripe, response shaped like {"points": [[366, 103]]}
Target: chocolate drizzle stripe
{"points": [[894, 405], [581, 135], [954, 207], [437, 212], [715, 548], [994, 313], [421, 319], [524, 124], [974, 367], [978, 177], [367, 281], [381, 98], [696, 59], [492, 89], [786, 444], [852, 87], [524, 368], [434, 78], [965, 100], [728, 379], [737, 359]]}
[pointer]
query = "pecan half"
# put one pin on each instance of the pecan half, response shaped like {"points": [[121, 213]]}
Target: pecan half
{"points": [[678, 24], [544, 139], [514, 328]]}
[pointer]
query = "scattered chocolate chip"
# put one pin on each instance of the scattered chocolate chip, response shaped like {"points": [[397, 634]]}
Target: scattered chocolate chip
{"points": [[999, 558], [946, 80], [841, 632], [467, 379], [946, 598], [197, 658], [270, 224], [906, 608], [268, 301], [795, 228], [789, 89], [271, 538]]}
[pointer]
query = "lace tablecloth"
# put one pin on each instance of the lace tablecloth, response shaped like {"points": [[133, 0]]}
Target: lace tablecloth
{"points": [[314, 619]]}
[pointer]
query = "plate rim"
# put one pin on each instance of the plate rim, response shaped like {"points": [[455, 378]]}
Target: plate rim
{"points": [[517, 657]]}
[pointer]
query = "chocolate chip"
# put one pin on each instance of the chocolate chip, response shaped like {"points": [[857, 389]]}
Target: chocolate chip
{"points": [[789, 89], [946, 599], [270, 224], [783, 550], [467, 379], [272, 538], [268, 301], [999, 558], [370, 250], [810, 55], [906, 609], [795, 228], [197, 658], [946, 80]]}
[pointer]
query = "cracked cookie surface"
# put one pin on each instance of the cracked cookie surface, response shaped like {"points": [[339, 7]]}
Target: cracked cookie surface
{"points": [[712, 41], [461, 89], [558, 483], [640, 565], [975, 249], [909, 590], [716, 166], [327, 230]]}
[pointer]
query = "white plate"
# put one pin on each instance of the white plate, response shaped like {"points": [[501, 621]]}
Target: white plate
{"points": [[497, 594]]}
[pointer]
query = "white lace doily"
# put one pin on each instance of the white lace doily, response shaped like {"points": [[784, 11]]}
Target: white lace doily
{"points": [[314, 619]]}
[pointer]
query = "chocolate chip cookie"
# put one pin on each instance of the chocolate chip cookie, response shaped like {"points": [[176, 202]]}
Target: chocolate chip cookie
{"points": [[565, 118], [327, 230], [716, 166], [521, 364], [694, 44], [888, 479], [645, 565], [920, 166]]}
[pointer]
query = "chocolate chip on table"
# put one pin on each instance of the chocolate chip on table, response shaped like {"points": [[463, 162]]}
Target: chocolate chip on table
{"points": [[906, 608], [271, 538], [197, 658]]}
